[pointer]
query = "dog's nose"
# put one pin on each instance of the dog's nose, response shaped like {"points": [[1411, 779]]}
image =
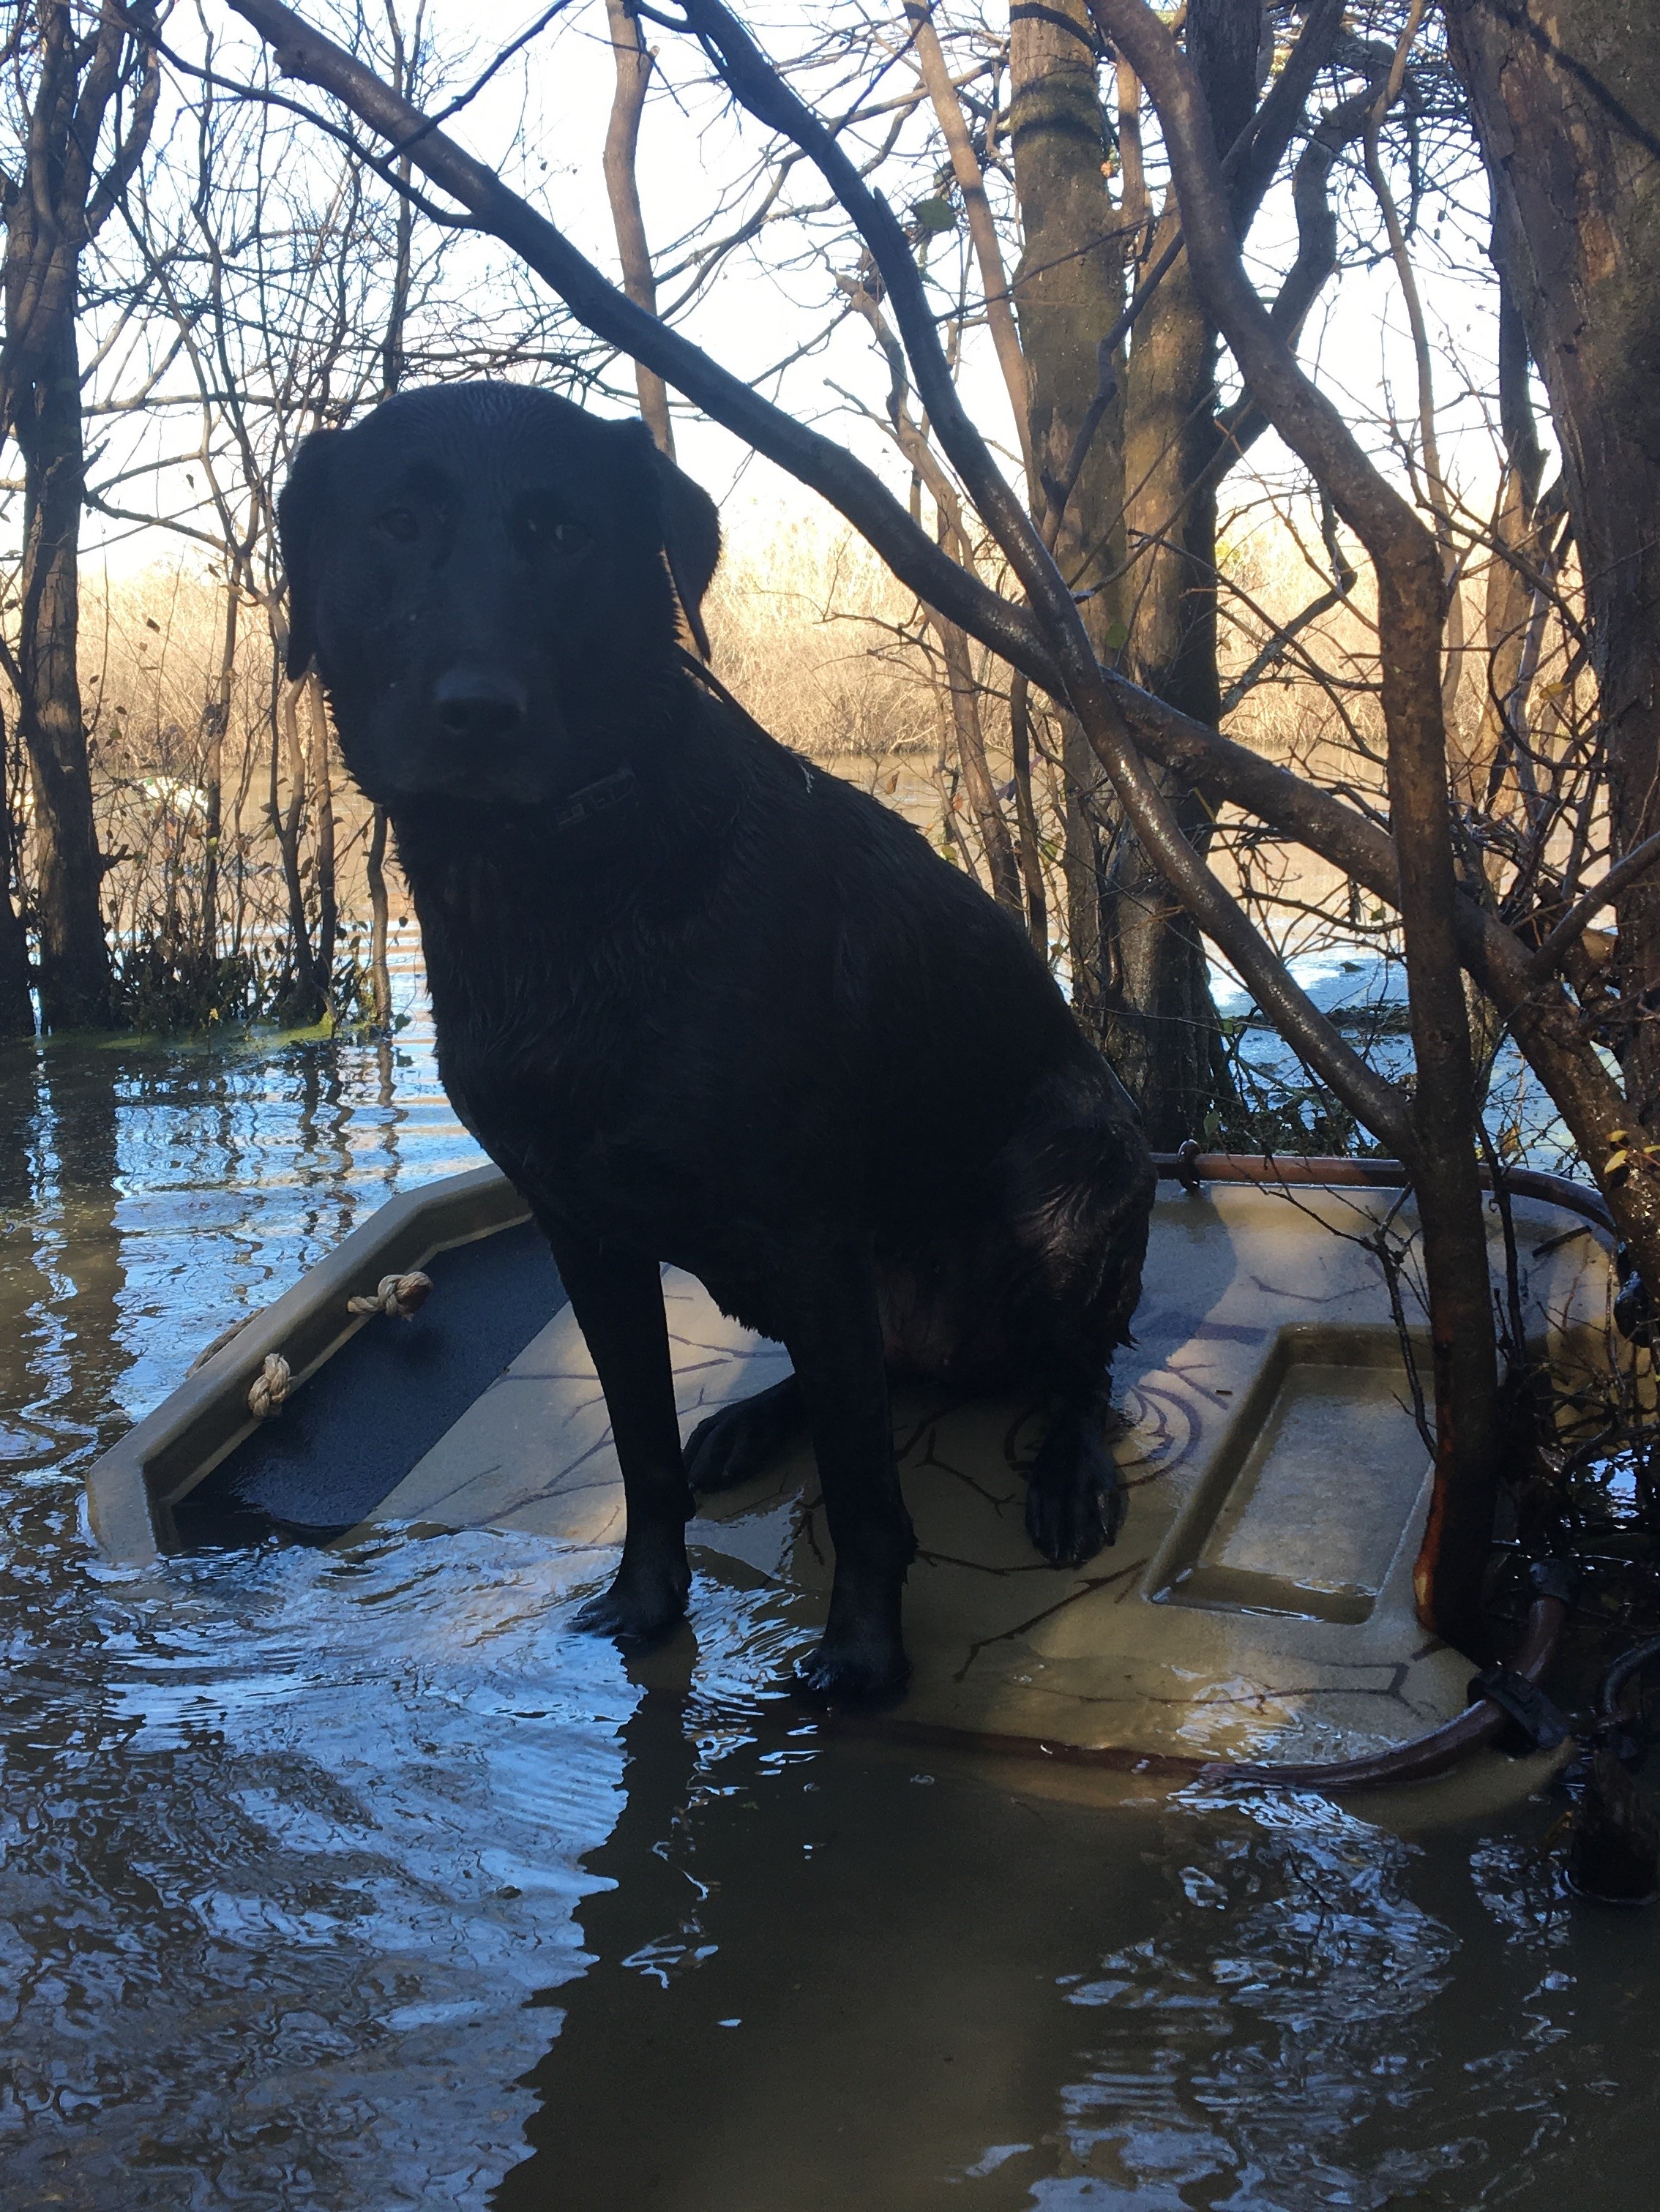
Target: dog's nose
{"points": [[480, 702]]}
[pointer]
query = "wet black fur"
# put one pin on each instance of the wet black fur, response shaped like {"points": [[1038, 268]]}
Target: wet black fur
{"points": [[741, 1019]]}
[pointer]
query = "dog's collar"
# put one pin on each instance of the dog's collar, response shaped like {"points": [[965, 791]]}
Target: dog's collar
{"points": [[597, 798]]}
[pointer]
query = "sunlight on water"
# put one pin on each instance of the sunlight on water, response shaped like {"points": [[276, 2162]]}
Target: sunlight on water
{"points": [[1367, 994], [358, 1878]]}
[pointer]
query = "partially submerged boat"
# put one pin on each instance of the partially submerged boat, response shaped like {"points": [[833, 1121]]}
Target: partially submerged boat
{"points": [[1257, 1612]]}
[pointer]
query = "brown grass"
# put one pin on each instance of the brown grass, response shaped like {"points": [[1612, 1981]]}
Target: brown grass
{"points": [[809, 630]]}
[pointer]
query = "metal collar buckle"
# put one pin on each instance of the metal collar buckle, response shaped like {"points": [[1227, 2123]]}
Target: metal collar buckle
{"points": [[597, 798]]}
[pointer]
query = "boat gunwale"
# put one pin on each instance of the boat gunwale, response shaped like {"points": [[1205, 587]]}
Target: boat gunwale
{"points": [[1192, 1167], [132, 1488]]}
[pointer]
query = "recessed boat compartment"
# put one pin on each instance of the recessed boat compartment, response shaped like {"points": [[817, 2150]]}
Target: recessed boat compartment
{"points": [[1315, 1486]]}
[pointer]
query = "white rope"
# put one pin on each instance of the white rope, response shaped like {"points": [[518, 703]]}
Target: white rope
{"points": [[397, 1295], [270, 1387]]}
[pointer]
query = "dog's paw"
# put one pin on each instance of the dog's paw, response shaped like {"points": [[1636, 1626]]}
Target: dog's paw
{"points": [[865, 1673], [1075, 1499], [734, 1445], [639, 1608]]}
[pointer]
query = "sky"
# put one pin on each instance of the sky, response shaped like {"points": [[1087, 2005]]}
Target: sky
{"points": [[542, 122], [757, 315]]}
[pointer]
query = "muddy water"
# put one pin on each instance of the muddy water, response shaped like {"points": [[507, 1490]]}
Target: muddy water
{"points": [[360, 1882]]}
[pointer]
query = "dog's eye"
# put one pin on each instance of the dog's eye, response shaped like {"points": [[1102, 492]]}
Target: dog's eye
{"points": [[542, 530], [399, 523]]}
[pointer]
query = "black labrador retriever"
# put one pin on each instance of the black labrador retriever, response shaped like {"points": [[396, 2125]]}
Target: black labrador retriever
{"points": [[705, 1003]]}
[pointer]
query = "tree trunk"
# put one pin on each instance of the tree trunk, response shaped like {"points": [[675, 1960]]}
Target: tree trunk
{"points": [[1001, 862], [1513, 605], [1137, 534], [17, 1007], [1030, 850], [1566, 98], [392, 374], [1068, 292], [1161, 1025], [634, 66], [1407, 562], [379, 916], [75, 968], [328, 912], [303, 1001], [78, 64], [983, 230], [215, 720]]}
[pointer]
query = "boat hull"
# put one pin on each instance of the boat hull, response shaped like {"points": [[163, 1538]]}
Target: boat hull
{"points": [[1258, 1604]]}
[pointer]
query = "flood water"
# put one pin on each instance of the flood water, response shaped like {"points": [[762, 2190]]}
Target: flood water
{"points": [[358, 1881]]}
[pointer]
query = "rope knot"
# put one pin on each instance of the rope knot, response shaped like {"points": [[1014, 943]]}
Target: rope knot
{"points": [[398, 1294], [270, 1387]]}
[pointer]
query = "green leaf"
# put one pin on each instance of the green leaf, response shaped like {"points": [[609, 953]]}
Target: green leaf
{"points": [[1117, 637], [934, 215]]}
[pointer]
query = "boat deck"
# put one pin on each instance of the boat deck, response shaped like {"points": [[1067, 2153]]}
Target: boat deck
{"points": [[1258, 1601]]}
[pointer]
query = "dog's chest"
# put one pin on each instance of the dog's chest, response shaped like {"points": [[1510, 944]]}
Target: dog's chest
{"points": [[640, 1110], [583, 1087], [538, 1059]]}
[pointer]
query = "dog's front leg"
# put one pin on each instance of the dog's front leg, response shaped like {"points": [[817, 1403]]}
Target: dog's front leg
{"points": [[618, 1299], [834, 1337]]}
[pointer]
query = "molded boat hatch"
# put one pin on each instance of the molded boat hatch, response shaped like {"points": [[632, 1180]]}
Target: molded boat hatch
{"points": [[1314, 1488]]}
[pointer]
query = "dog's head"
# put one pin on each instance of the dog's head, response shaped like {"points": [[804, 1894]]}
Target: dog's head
{"points": [[486, 577]]}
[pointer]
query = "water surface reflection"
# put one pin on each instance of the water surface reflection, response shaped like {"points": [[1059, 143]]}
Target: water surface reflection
{"points": [[826, 1979], [357, 1881]]}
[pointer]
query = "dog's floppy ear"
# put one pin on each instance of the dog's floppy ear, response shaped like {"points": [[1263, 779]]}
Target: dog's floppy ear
{"points": [[691, 542], [303, 509], [691, 525]]}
